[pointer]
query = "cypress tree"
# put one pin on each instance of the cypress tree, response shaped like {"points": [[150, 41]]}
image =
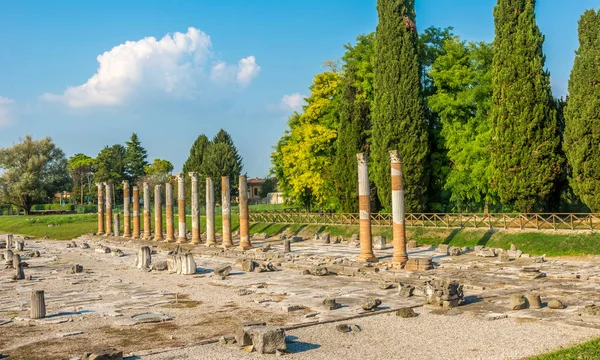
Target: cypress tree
{"points": [[221, 158], [135, 159], [398, 113], [582, 114], [525, 161], [194, 160]]}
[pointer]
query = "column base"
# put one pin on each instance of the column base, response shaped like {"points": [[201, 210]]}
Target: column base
{"points": [[195, 241], [126, 235], [367, 258], [246, 246], [181, 240], [211, 243], [227, 246], [169, 240], [400, 259], [158, 239], [99, 233]]}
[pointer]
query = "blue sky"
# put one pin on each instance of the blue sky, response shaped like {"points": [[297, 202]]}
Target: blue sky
{"points": [[88, 73]]}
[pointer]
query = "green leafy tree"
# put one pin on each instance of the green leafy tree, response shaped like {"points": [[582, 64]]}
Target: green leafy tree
{"points": [[32, 171], [110, 167], [398, 113], [222, 159], [159, 172], [82, 172], [582, 114], [135, 159], [354, 119], [525, 137], [268, 186], [463, 82]]}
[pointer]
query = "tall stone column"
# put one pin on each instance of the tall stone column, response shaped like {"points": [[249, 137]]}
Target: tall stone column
{"points": [[195, 209], [243, 204], [364, 207], [126, 206], [158, 233], [136, 212], [147, 216], [181, 207], [398, 231], [169, 209], [226, 211], [210, 213], [100, 208], [108, 211]]}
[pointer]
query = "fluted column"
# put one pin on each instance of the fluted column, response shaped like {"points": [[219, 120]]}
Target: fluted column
{"points": [[147, 216], [210, 212], [100, 208], [136, 212], [181, 207], [195, 209], [243, 205], [364, 206], [158, 234], [126, 206], [108, 211], [226, 211], [398, 231], [169, 210]]}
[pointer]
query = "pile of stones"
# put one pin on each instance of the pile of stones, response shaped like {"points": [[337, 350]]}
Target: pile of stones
{"points": [[444, 292]]}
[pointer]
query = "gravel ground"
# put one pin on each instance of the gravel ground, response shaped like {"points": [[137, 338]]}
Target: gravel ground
{"points": [[427, 336]]}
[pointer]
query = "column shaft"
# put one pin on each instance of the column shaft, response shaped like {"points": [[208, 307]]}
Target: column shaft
{"points": [[210, 212], [100, 208], [147, 216], [108, 212], [243, 205], [136, 212], [398, 231], [181, 238], [226, 212], [195, 209], [158, 234], [126, 206], [169, 209], [364, 206]]}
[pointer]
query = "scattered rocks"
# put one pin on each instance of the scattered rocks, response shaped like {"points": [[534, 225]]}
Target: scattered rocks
{"points": [[371, 305], [517, 302], [222, 270], [555, 304], [76, 269], [405, 290], [343, 328], [331, 304], [406, 313], [85, 246], [534, 301], [444, 292], [319, 271], [104, 354]]}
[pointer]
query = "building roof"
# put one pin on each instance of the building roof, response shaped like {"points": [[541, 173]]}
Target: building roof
{"points": [[256, 181]]}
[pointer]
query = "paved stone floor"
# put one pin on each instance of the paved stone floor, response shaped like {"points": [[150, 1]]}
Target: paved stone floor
{"points": [[95, 308]]}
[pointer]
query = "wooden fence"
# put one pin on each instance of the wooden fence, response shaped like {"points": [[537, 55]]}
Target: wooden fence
{"points": [[532, 221]]}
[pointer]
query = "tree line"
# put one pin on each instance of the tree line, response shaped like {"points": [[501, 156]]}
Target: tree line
{"points": [[476, 123]]}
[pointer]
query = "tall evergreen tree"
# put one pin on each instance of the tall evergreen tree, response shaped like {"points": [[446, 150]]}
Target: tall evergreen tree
{"points": [[354, 120], [525, 138], [135, 159], [398, 114], [110, 167], [194, 160], [582, 113], [221, 158]]}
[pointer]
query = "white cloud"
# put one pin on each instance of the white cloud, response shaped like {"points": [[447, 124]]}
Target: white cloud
{"points": [[5, 111], [293, 101], [178, 65]]}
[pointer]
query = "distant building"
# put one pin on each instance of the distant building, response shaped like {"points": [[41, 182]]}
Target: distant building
{"points": [[254, 186], [254, 192]]}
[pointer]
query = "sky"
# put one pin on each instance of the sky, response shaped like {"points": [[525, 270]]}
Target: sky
{"points": [[90, 73]]}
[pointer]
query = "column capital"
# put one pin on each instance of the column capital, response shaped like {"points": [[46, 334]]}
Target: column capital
{"points": [[362, 158], [125, 184], [193, 175], [99, 184], [180, 177], [157, 187], [145, 185], [395, 157]]}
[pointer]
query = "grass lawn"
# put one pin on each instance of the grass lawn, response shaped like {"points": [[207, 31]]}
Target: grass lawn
{"points": [[532, 242], [586, 351]]}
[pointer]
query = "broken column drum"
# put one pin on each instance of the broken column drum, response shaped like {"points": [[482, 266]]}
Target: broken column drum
{"points": [[19, 273], [158, 234], [19, 245], [9, 241], [100, 208], [38, 305], [243, 206], [195, 209], [398, 230], [144, 258], [169, 210], [136, 212], [147, 216], [126, 214], [226, 212], [210, 212], [364, 206], [108, 211], [116, 225], [186, 264], [181, 207]]}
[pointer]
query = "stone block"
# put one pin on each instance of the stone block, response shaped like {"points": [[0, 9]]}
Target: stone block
{"points": [[371, 304], [517, 302], [324, 238], [222, 270], [248, 265], [418, 264], [454, 251], [379, 242], [485, 252], [442, 249], [412, 244], [266, 339], [534, 301], [405, 290], [555, 304], [406, 313]]}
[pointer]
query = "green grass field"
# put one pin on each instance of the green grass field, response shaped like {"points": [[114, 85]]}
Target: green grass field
{"points": [[586, 351], [532, 242]]}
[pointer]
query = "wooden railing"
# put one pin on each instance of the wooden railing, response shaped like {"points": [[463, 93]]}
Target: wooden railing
{"points": [[533, 221]]}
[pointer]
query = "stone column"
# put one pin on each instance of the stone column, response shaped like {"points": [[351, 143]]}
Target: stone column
{"points": [[195, 209], [38, 305], [364, 208], [126, 205], [169, 209], [226, 212], [210, 212], [158, 234], [100, 208], [398, 231], [147, 216], [136, 212], [181, 207], [108, 211], [116, 225], [243, 205]]}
